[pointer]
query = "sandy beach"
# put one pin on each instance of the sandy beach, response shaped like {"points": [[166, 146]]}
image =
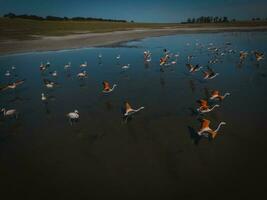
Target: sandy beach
{"points": [[74, 41]]}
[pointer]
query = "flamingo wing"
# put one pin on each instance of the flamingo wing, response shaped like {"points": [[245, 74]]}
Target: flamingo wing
{"points": [[215, 93], [205, 123], [3, 88], [203, 102], [19, 82], [106, 85]]}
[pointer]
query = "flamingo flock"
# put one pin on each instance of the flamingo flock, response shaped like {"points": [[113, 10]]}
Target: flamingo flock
{"points": [[167, 59]]}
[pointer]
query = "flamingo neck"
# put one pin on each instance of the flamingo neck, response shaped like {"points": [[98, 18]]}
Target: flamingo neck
{"points": [[226, 94], [214, 107], [219, 126]]}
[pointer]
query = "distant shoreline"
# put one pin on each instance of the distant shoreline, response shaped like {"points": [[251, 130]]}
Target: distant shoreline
{"points": [[86, 40]]}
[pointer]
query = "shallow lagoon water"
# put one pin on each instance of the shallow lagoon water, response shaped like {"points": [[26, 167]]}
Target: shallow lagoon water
{"points": [[156, 153]]}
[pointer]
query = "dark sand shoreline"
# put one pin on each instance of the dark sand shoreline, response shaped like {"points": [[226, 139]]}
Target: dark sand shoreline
{"points": [[76, 41]]}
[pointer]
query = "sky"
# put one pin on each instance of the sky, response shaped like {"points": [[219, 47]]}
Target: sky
{"points": [[139, 10]]}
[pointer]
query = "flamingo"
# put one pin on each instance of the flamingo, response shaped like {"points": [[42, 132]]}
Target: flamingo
{"points": [[100, 56], [259, 56], [13, 67], [129, 110], [107, 88], [242, 55], [147, 55], [54, 73], [43, 97], [10, 112], [73, 116], [174, 62], [84, 64], [148, 59], [126, 66], [216, 95], [189, 57], [12, 85], [42, 67], [210, 74], [164, 60], [206, 129], [7, 73], [118, 57], [204, 108], [49, 84], [68, 65], [82, 74], [193, 68]]}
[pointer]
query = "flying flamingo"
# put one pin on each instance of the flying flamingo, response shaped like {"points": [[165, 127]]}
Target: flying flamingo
{"points": [[12, 85], [107, 88], [259, 56], [129, 110], [206, 129], [204, 108], [164, 60], [242, 55], [210, 74], [10, 112], [73, 116], [216, 95], [193, 68]]}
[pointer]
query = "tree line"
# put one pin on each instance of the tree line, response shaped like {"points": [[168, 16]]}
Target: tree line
{"points": [[54, 18], [208, 19], [216, 19]]}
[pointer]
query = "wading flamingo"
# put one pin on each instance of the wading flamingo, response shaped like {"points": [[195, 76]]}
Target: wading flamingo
{"points": [[73, 116], [84, 64], [68, 65], [43, 97], [82, 74], [10, 112], [49, 84], [126, 66]]}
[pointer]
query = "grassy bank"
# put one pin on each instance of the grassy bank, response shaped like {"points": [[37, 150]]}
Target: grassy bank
{"points": [[27, 29], [23, 29]]}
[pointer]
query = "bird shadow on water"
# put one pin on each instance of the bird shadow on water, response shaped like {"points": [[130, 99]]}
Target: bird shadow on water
{"points": [[193, 135], [193, 112]]}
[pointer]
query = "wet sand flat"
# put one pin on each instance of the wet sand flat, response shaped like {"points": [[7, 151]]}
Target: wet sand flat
{"points": [[75, 41]]}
